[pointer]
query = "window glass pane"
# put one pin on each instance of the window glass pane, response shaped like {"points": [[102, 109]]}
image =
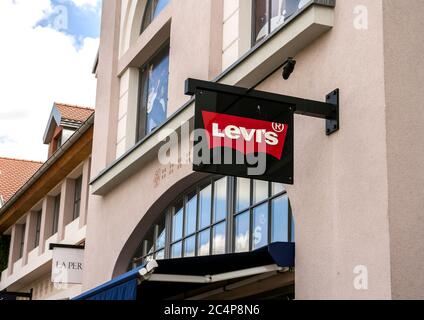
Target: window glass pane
{"points": [[277, 188], [205, 207], [76, 210], [282, 10], [144, 90], [148, 245], [78, 185], [243, 194], [77, 198], [21, 245], [278, 10], [160, 241], [177, 225], [303, 3], [176, 250], [218, 243], [37, 230], [190, 247], [157, 96], [260, 191], [160, 255], [280, 219], [191, 213], [261, 19], [151, 250], [153, 9], [260, 226], [220, 200], [160, 5], [66, 134], [148, 13], [204, 243], [242, 222], [56, 215]]}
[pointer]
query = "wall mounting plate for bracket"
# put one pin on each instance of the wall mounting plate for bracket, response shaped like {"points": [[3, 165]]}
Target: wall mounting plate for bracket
{"points": [[333, 123]]}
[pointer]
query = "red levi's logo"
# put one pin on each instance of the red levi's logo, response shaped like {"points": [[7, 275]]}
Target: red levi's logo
{"points": [[245, 134]]}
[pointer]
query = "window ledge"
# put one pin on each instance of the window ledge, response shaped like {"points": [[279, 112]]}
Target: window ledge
{"points": [[262, 60]]}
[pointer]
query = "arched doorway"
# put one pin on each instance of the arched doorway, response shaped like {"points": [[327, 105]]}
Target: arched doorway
{"points": [[218, 216]]}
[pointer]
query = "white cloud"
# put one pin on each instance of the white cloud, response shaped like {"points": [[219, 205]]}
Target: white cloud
{"points": [[82, 3], [38, 67]]}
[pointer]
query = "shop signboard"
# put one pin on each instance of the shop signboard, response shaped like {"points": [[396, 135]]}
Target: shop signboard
{"points": [[68, 264], [249, 133]]}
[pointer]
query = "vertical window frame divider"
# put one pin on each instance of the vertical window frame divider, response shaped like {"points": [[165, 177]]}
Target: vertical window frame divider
{"points": [[212, 216], [38, 229], [252, 185], [253, 26], [290, 220], [155, 239], [184, 235], [230, 215], [270, 200], [142, 103], [168, 232], [269, 16], [196, 236]]}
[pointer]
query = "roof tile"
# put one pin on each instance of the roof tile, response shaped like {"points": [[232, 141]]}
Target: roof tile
{"points": [[74, 113], [14, 174]]}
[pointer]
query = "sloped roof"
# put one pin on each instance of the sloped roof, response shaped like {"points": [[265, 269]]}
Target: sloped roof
{"points": [[63, 114], [13, 175], [74, 113]]}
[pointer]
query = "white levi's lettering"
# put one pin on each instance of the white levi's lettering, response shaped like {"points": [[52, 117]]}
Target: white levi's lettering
{"points": [[234, 133], [216, 132]]}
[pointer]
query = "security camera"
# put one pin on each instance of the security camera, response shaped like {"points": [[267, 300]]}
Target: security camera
{"points": [[288, 68]]}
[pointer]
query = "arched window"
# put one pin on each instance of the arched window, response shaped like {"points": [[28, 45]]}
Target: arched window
{"points": [[220, 215], [153, 8]]}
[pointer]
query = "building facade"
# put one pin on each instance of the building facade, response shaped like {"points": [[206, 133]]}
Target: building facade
{"points": [[49, 207], [355, 209], [354, 213]]}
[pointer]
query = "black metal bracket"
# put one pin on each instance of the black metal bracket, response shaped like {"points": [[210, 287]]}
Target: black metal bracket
{"points": [[328, 110], [65, 246], [333, 124]]}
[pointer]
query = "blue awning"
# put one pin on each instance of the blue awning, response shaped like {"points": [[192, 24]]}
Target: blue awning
{"points": [[125, 287]]}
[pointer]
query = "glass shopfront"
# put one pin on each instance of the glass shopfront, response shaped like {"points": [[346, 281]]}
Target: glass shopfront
{"points": [[219, 216]]}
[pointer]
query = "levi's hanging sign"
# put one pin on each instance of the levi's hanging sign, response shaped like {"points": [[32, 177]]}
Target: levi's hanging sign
{"points": [[248, 133]]}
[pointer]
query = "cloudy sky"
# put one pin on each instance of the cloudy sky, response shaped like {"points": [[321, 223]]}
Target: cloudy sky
{"points": [[47, 53]]}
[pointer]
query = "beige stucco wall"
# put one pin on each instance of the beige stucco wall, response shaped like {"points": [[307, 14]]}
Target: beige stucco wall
{"points": [[107, 103], [404, 78], [345, 185], [340, 194]]}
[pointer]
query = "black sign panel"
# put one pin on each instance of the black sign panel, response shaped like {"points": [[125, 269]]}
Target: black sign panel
{"points": [[243, 134]]}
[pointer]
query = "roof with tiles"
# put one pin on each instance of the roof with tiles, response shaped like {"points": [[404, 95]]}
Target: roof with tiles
{"points": [[14, 173], [74, 113]]}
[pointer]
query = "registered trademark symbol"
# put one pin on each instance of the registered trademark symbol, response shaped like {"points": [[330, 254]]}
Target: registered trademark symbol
{"points": [[278, 127]]}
